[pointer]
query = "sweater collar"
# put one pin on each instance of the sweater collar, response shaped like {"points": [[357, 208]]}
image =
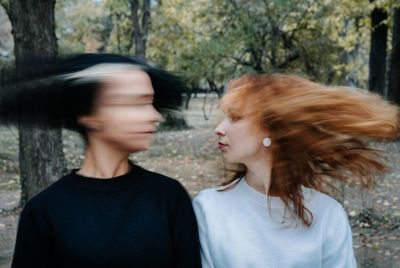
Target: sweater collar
{"points": [[264, 200], [283, 216], [256, 197], [104, 185]]}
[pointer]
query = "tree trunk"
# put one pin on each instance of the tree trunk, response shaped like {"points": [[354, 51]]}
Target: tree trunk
{"points": [[140, 15], [377, 57], [394, 67], [41, 157], [350, 77]]}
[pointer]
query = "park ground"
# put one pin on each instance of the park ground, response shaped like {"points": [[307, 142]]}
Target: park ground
{"points": [[191, 156]]}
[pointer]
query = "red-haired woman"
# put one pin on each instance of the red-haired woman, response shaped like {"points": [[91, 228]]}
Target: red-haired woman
{"points": [[290, 137]]}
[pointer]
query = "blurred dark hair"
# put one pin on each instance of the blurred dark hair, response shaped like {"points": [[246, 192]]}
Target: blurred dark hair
{"points": [[51, 92]]}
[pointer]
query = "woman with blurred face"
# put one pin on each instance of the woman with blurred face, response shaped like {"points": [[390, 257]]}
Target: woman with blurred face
{"points": [[110, 212], [123, 121], [289, 138]]}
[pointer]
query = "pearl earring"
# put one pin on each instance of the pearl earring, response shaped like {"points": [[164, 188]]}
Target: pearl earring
{"points": [[267, 142]]}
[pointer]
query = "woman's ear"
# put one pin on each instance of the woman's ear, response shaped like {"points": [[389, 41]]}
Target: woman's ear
{"points": [[89, 122]]}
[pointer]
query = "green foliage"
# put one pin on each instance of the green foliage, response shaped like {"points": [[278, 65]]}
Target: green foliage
{"points": [[121, 36], [81, 26], [218, 39], [185, 38], [215, 40]]}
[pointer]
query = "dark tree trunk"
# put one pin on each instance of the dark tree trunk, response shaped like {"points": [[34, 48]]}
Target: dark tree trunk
{"points": [[215, 88], [140, 15], [394, 65], [377, 57], [41, 155], [350, 78], [189, 94]]}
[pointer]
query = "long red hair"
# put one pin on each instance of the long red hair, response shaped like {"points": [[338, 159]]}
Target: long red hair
{"points": [[318, 133]]}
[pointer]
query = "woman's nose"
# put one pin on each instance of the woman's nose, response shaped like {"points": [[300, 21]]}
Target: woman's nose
{"points": [[156, 116], [219, 131]]}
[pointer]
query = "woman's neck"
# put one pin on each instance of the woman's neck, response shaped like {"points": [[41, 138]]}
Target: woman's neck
{"points": [[258, 174], [102, 161]]}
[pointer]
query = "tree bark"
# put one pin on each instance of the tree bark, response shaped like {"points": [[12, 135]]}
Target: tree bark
{"points": [[394, 65], [41, 157], [141, 19], [350, 77], [377, 57]]}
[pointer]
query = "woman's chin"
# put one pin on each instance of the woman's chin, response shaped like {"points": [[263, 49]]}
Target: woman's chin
{"points": [[229, 160], [138, 148]]}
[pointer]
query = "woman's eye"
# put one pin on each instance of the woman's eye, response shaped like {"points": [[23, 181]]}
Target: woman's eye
{"points": [[127, 104], [139, 104], [234, 118]]}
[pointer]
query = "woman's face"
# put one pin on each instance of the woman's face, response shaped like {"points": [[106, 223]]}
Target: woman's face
{"points": [[124, 116], [240, 140]]}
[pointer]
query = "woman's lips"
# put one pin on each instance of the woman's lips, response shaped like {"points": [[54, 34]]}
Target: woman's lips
{"points": [[150, 132], [222, 146]]}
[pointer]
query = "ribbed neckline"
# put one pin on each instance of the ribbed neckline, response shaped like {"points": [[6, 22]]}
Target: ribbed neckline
{"points": [[256, 197], [104, 184], [264, 200]]}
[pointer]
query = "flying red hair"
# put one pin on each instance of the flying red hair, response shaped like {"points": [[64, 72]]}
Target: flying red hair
{"points": [[318, 133]]}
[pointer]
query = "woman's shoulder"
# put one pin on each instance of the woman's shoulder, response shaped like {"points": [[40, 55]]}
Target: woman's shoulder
{"points": [[323, 205], [316, 197], [211, 192], [210, 197], [47, 196]]}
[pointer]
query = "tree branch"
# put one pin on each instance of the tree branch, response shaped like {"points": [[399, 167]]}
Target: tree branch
{"points": [[291, 57], [146, 17], [241, 62], [310, 69], [300, 22], [240, 58], [135, 17]]}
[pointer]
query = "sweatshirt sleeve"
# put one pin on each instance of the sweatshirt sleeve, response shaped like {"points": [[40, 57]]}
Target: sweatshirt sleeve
{"points": [[338, 244], [33, 244], [185, 233], [205, 250]]}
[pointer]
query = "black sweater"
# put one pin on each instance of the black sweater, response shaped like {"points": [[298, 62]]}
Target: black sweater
{"points": [[140, 219]]}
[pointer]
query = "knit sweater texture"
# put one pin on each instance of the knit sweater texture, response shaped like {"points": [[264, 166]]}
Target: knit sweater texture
{"points": [[140, 219], [243, 228]]}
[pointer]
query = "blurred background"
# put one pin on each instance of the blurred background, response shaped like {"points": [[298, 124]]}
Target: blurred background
{"points": [[354, 43]]}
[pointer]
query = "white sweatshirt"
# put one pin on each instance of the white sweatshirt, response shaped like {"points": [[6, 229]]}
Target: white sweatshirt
{"points": [[238, 229]]}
